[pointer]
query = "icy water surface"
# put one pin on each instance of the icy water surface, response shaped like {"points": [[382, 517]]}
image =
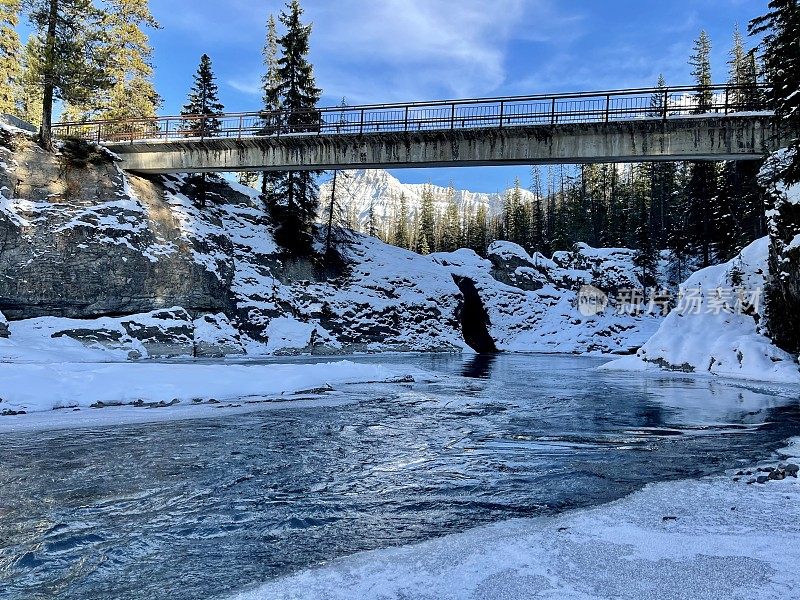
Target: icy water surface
{"points": [[199, 509]]}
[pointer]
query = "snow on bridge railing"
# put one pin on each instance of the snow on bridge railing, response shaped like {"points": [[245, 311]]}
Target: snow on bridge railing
{"points": [[481, 113]]}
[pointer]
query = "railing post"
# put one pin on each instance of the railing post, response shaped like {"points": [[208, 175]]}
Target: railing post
{"points": [[666, 104], [99, 133], [406, 120], [241, 124], [502, 111], [608, 108], [452, 116], [553, 113], [166, 131], [727, 90], [362, 122]]}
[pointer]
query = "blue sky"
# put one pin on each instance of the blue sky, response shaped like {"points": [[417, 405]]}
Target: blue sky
{"points": [[402, 50]]}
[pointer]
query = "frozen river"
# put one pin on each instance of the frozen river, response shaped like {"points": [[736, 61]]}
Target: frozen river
{"points": [[203, 508]]}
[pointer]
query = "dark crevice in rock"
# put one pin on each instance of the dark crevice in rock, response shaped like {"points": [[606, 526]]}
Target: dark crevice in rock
{"points": [[474, 318]]}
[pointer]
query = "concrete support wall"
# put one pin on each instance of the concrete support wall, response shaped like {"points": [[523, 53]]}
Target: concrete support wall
{"points": [[690, 138]]}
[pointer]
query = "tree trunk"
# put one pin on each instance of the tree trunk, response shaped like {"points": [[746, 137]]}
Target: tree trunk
{"points": [[46, 132], [329, 237]]}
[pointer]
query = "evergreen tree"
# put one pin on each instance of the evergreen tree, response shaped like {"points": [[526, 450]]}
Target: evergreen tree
{"points": [[131, 95], [294, 199], [781, 46], [701, 71], [658, 98], [272, 102], [479, 239], [337, 232], [451, 224], [401, 236], [702, 187], [74, 62], [10, 71], [427, 222], [203, 103], [646, 255], [32, 82], [538, 225]]}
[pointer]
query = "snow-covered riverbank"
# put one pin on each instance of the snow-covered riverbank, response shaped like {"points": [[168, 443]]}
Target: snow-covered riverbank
{"points": [[709, 538], [32, 388]]}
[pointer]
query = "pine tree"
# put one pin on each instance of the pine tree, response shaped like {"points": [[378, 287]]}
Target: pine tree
{"points": [[479, 240], [337, 232], [701, 71], [538, 225], [451, 224], [646, 255], [294, 199], [427, 222], [401, 236], [133, 95], [658, 99], [74, 63], [702, 187], [32, 82], [10, 71], [272, 103], [781, 45], [781, 48], [203, 103]]}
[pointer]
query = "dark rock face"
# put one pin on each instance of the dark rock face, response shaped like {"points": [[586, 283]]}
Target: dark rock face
{"points": [[79, 245], [512, 266], [474, 318]]}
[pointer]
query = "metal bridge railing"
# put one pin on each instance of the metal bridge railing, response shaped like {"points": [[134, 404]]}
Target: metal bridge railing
{"points": [[583, 107]]}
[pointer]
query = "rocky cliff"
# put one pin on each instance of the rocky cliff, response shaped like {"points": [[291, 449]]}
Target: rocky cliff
{"points": [[92, 260]]}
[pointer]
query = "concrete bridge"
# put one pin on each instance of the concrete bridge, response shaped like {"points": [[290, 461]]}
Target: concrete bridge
{"points": [[592, 127]]}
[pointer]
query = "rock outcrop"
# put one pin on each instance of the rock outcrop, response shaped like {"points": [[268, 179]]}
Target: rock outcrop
{"points": [[132, 268], [86, 242]]}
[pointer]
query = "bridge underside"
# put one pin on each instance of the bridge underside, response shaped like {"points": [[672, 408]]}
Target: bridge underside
{"points": [[713, 138]]}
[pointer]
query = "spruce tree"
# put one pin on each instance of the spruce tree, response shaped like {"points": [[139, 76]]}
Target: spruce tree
{"points": [[401, 235], [203, 103], [701, 71], [451, 224], [132, 95], [427, 222], [294, 199], [781, 49], [702, 188], [480, 241], [32, 82], [272, 103], [10, 71], [73, 60]]}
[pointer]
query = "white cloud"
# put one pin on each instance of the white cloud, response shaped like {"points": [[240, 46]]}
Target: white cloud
{"points": [[385, 50]]}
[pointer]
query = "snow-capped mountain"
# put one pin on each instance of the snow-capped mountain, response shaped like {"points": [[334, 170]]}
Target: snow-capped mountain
{"points": [[357, 190]]}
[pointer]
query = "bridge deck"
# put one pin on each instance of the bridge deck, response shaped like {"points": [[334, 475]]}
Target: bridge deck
{"points": [[609, 126]]}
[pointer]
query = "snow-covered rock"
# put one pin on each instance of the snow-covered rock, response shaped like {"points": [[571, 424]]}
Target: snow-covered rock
{"points": [[532, 302], [124, 267], [3, 326], [715, 328]]}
